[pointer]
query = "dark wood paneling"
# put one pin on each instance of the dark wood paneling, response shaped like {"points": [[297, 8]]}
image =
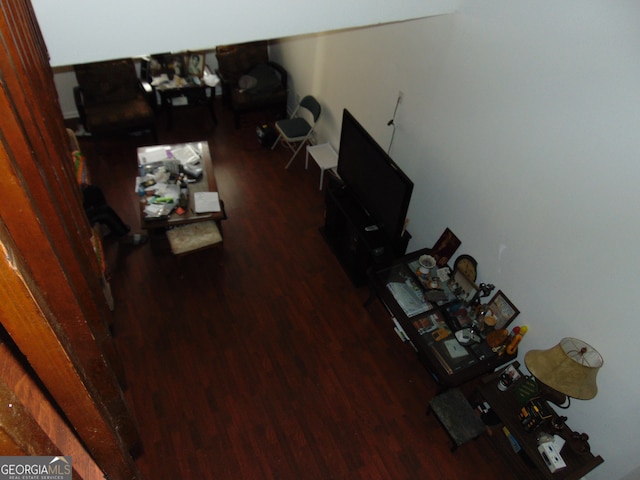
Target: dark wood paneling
{"points": [[32, 420], [51, 300]]}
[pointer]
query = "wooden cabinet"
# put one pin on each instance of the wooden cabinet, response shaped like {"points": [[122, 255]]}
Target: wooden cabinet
{"points": [[348, 231], [420, 325], [528, 463]]}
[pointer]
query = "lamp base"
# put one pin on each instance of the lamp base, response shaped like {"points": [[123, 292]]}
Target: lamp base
{"points": [[579, 443], [552, 395]]}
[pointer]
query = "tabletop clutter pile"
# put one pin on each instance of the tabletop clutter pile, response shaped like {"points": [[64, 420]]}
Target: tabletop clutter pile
{"points": [[164, 176]]}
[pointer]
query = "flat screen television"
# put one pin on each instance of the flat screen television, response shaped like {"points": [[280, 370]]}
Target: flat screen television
{"points": [[379, 186]]}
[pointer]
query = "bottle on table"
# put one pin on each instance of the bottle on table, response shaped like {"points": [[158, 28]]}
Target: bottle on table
{"points": [[512, 348]]}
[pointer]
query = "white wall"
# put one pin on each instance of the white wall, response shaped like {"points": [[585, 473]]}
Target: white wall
{"points": [[78, 31], [519, 127]]}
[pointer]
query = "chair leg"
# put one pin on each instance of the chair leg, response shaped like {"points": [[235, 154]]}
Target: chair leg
{"points": [[276, 142], [302, 143]]}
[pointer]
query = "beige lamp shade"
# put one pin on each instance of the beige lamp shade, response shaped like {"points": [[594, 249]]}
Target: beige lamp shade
{"points": [[570, 367]]}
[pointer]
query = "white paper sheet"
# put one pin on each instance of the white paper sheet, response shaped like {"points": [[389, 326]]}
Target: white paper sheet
{"points": [[205, 202]]}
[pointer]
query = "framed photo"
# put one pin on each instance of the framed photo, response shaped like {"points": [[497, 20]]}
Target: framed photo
{"points": [[175, 65], [445, 247], [502, 309], [461, 316], [156, 66], [195, 64], [462, 287]]}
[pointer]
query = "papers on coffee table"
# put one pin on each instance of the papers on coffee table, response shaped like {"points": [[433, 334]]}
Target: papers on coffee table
{"points": [[185, 154], [206, 202], [153, 155], [163, 202]]}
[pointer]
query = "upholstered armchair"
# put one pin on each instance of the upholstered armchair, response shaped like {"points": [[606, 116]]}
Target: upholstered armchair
{"points": [[250, 81], [110, 98]]}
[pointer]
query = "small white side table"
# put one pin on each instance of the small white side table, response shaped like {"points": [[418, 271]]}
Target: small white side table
{"points": [[324, 155]]}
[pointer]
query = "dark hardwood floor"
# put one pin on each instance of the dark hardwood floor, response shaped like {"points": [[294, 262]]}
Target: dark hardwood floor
{"points": [[258, 360]]}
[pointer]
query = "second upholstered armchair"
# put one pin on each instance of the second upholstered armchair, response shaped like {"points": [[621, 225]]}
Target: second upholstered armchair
{"points": [[250, 81]]}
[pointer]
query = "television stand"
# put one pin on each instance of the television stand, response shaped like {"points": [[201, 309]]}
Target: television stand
{"points": [[354, 236]]}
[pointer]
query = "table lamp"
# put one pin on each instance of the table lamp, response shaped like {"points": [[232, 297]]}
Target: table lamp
{"points": [[568, 370]]}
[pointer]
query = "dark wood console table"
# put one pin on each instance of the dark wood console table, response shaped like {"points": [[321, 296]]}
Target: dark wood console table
{"points": [[467, 362], [529, 463], [347, 231]]}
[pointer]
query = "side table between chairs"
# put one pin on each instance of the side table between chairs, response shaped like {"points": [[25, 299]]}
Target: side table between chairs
{"points": [[187, 94]]}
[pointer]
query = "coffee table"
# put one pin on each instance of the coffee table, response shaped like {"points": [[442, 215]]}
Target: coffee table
{"points": [[205, 183]]}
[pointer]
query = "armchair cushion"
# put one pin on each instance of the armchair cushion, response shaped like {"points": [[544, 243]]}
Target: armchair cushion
{"points": [[262, 78], [244, 101], [247, 82]]}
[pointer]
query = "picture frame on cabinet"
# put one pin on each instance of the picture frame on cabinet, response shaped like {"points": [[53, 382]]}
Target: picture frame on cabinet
{"points": [[195, 64], [445, 247], [503, 309]]}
